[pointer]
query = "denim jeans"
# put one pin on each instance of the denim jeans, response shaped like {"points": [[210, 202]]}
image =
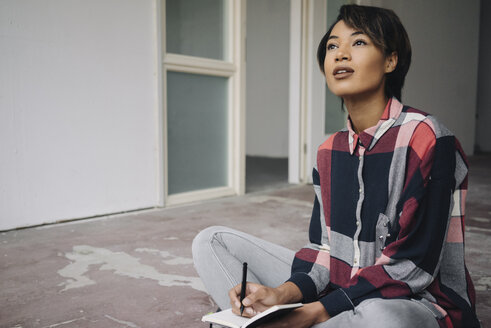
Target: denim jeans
{"points": [[218, 254]]}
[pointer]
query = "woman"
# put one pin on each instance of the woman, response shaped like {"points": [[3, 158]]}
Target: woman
{"points": [[387, 225]]}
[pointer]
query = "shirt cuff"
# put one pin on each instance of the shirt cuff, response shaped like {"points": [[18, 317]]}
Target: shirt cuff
{"points": [[336, 302], [306, 286]]}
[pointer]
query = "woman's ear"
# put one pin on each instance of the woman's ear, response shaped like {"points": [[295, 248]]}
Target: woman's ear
{"points": [[391, 62]]}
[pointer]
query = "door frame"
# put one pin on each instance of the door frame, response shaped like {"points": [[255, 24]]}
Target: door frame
{"points": [[307, 87], [234, 68]]}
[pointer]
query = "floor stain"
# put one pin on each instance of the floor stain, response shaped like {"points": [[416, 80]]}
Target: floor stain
{"points": [[169, 258], [122, 264]]}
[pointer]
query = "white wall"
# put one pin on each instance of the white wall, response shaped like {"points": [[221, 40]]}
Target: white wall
{"points": [[78, 109], [442, 79], [483, 124], [267, 77]]}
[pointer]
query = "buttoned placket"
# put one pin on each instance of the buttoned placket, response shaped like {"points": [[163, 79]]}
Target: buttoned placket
{"points": [[361, 197], [382, 237]]}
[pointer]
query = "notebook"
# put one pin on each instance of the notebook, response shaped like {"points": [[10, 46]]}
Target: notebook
{"points": [[228, 319]]}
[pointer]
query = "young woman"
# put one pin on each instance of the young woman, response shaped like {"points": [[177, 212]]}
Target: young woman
{"points": [[388, 220]]}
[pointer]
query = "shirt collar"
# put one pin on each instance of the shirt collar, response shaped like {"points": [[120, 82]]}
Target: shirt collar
{"points": [[370, 136]]}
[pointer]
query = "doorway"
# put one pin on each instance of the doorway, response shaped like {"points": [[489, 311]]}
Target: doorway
{"points": [[267, 94]]}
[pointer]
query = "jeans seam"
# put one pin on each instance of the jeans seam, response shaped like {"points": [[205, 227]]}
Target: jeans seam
{"points": [[222, 267], [260, 247], [231, 280]]}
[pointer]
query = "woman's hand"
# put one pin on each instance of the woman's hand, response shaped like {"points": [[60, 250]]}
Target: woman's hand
{"points": [[259, 298], [304, 317]]}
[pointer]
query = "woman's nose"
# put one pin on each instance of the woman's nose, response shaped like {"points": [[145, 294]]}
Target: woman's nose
{"points": [[342, 54]]}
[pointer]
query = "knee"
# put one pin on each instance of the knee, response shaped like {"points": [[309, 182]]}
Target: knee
{"points": [[204, 238], [395, 310], [377, 308]]}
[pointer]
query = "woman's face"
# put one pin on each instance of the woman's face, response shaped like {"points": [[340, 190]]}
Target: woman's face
{"points": [[354, 65]]}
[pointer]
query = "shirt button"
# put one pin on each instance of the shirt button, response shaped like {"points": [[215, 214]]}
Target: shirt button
{"points": [[359, 190], [355, 262], [357, 223]]}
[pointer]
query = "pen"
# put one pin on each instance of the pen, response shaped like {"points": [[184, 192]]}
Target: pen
{"points": [[243, 287]]}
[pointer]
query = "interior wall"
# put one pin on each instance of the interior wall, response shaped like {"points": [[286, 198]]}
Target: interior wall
{"points": [[267, 77], [78, 100], [483, 123], [442, 80]]}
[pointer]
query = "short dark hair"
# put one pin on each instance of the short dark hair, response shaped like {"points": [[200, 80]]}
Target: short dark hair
{"points": [[385, 29]]}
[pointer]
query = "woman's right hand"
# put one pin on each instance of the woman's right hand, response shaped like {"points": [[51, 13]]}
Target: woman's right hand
{"points": [[259, 298]]}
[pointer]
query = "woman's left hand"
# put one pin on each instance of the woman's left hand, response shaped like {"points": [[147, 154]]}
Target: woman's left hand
{"points": [[304, 317]]}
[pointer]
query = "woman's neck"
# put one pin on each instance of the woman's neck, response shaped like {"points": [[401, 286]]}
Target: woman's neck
{"points": [[365, 112]]}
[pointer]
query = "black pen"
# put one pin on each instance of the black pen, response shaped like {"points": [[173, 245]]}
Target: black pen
{"points": [[243, 287]]}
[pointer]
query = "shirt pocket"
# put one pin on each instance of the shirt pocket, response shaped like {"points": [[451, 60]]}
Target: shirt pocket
{"points": [[381, 233]]}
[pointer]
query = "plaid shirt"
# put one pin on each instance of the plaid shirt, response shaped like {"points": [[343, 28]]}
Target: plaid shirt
{"points": [[388, 219]]}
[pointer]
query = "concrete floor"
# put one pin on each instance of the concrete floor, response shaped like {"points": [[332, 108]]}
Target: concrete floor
{"points": [[135, 270]]}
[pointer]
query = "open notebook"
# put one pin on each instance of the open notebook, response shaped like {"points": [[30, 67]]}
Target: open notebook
{"points": [[228, 319]]}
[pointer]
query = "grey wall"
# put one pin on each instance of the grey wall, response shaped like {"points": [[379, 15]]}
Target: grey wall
{"points": [[78, 109], [483, 124], [442, 79], [267, 60]]}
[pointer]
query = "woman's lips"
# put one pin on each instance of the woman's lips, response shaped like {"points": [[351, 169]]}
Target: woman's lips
{"points": [[342, 72]]}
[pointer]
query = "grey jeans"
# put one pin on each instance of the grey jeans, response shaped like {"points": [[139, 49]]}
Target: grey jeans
{"points": [[219, 252]]}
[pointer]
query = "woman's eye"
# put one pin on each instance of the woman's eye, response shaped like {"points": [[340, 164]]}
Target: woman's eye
{"points": [[330, 46], [359, 43]]}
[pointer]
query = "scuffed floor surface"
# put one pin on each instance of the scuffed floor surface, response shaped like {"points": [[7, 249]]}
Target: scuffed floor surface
{"points": [[135, 270]]}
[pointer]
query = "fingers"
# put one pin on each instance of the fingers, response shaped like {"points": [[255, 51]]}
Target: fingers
{"points": [[233, 294], [248, 302], [248, 312], [266, 296], [258, 298], [254, 296], [235, 304]]}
